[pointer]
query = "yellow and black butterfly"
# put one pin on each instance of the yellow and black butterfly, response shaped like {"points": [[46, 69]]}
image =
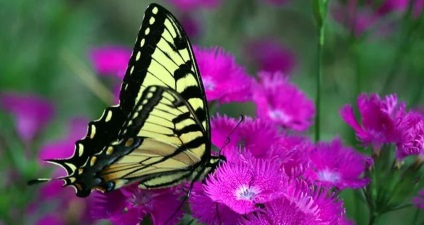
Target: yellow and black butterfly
{"points": [[159, 135]]}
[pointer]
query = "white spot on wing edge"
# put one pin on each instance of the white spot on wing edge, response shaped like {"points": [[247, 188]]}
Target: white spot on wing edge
{"points": [[93, 131], [108, 116], [155, 10]]}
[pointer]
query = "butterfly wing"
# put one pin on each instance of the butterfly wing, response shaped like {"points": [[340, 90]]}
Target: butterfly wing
{"points": [[163, 56], [159, 134]]}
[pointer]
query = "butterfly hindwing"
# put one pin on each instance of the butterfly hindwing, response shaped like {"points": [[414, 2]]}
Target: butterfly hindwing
{"points": [[166, 146]]}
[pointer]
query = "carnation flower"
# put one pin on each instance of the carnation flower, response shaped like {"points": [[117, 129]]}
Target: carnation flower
{"points": [[258, 136], [31, 113], [390, 6], [64, 147], [244, 184], [282, 102], [419, 200], [223, 79], [318, 204], [378, 117], [111, 60], [208, 211], [411, 141], [293, 153], [221, 128], [301, 205], [130, 204], [271, 56], [333, 165]]}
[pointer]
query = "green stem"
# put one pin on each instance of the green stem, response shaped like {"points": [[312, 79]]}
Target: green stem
{"points": [[373, 218], [416, 216], [401, 50], [321, 35]]}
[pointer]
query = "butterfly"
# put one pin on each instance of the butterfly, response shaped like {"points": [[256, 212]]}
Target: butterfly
{"points": [[159, 134]]}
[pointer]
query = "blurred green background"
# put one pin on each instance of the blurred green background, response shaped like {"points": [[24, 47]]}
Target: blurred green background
{"points": [[44, 48]]}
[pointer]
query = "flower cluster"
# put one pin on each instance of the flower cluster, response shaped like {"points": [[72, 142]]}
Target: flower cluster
{"points": [[267, 169], [386, 121], [360, 18]]}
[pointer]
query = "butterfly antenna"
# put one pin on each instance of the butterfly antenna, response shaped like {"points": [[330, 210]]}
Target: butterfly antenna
{"points": [[217, 213], [185, 198], [38, 181], [228, 140]]}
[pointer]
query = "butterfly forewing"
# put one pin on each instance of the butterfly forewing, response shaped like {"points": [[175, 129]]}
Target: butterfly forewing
{"points": [[163, 56]]}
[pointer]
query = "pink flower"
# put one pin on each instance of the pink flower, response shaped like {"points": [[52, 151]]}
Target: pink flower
{"points": [[301, 205], [411, 141], [293, 153], [245, 184], [208, 211], [223, 79], [130, 204], [418, 201], [282, 102], [31, 113], [271, 56], [221, 128], [389, 6], [187, 5], [64, 147], [361, 17], [191, 25], [333, 165], [258, 136], [111, 60], [319, 204], [356, 19], [378, 119]]}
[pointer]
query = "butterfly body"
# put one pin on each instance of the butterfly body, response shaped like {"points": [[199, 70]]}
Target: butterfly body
{"points": [[159, 134]]}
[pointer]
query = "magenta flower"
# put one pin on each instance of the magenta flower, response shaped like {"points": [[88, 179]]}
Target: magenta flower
{"points": [[31, 113], [293, 153], [208, 211], [411, 141], [271, 56], [223, 79], [258, 136], [333, 165], [111, 60], [282, 102], [130, 204], [191, 25], [302, 205], [187, 5], [378, 119], [244, 184], [317, 204], [390, 6], [53, 193], [418, 201], [221, 128], [64, 147]]}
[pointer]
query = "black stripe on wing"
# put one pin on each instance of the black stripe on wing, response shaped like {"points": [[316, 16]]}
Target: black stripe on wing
{"points": [[163, 56]]}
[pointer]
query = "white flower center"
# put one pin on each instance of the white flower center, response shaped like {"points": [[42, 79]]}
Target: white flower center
{"points": [[329, 176], [279, 115], [245, 192], [208, 83]]}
